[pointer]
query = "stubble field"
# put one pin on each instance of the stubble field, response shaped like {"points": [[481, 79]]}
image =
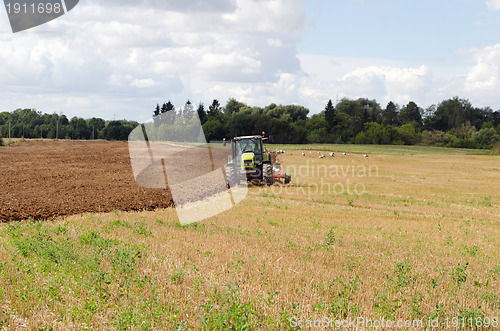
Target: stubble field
{"points": [[405, 234]]}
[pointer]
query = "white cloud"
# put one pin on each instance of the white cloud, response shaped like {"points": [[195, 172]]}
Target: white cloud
{"points": [[121, 57], [143, 83], [236, 62], [483, 79], [268, 16], [176, 6], [493, 4], [274, 42], [399, 84], [138, 53], [327, 78]]}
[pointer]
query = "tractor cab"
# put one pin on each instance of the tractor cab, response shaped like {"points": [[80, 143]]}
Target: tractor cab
{"points": [[248, 158], [248, 151], [247, 145]]}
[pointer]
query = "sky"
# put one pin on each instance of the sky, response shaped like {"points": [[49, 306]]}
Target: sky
{"points": [[117, 59]]}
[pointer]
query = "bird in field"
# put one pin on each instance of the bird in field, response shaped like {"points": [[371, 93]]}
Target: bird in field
{"points": [[332, 154], [344, 153], [366, 155], [303, 154]]}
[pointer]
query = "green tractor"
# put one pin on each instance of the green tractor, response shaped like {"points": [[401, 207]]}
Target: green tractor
{"points": [[249, 161]]}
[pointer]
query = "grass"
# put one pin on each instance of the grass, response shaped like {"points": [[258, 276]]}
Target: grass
{"points": [[381, 149], [12, 141], [421, 242]]}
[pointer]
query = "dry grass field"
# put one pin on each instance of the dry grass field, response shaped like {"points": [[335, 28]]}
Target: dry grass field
{"points": [[403, 234]]}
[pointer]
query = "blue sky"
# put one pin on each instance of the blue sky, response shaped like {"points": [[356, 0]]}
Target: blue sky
{"points": [[452, 43], [118, 58], [412, 31]]}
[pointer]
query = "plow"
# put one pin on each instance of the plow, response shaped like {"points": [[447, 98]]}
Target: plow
{"points": [[278, 176]]}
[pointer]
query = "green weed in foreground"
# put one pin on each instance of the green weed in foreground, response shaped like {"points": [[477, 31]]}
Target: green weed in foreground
{"points": [[226, 311], [343, 305], [142, 228], [79, 276], [330, 238], [82, 276], [177, 276]]}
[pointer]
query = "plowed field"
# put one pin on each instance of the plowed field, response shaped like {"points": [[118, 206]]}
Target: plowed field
{"points": [[47, 179]]}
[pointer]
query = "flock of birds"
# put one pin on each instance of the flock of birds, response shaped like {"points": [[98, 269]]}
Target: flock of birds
{"points": [[322, 156]]}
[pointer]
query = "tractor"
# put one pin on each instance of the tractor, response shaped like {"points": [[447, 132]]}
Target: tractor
{"points": [[249, 161]]}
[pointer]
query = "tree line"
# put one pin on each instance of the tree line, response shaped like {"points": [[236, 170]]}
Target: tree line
{"points": [[287, 124], [30, 123], [454, 122]]}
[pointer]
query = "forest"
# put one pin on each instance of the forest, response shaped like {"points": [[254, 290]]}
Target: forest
{"points": [[454, 122], [30, 124]]}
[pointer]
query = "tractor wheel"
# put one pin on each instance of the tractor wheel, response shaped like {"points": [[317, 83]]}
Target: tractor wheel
{"points": [[267, 174], [230, 176]]}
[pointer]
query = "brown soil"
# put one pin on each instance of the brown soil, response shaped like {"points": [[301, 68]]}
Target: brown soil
{"points": [[47, 179]]}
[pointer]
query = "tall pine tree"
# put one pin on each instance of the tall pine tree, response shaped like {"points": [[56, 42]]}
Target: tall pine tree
{"points": [[214, 110], [390, 114], [202, 114], [156, 113], [330, 115]]}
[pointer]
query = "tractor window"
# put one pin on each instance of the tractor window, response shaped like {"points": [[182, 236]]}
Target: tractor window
{"points": [[256, 149], [249, 145]]}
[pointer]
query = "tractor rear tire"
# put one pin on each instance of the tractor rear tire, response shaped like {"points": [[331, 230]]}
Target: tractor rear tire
{"points": [[267, 174]]}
